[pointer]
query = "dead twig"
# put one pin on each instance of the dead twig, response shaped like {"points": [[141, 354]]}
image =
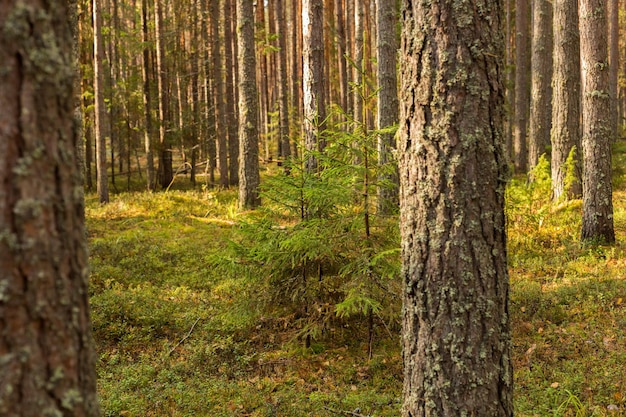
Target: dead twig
{"points": [[184, 338], [355, 413]]}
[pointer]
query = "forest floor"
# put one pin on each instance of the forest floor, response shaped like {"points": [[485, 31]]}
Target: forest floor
{"points": [[179, 336]]}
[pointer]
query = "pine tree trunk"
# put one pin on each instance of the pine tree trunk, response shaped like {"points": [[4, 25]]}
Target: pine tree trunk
{"points": [[541, 84], [456, 336], [47, 354], [218, 95], [566, 99], [387, 48], [102, 126], [147, 103], [166, 172], [522, 88], [248, 108], [596, 134], [613, 35], [313, 81], [283, 99], [231, 115]]}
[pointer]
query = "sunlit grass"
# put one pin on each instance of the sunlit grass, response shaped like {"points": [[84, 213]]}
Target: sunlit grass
{"points": [[178, 336]]}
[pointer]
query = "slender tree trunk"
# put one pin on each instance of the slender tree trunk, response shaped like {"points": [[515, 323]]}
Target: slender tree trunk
{"points": [[341, 55], [248, 108], [231, 115], [147, 102], [210, 127], [522, 90], [283, 98], [358, 68], [566, 100], [313, 86], [613, 39], [510, 81], [166, 172], [262, 84], [596, 134], [101, 121], [218, 96], [541, 97], [387, 115], [456, 335], [46, 346]]}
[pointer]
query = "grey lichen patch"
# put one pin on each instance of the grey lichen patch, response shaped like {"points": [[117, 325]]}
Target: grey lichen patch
{"points": [[28, 208], [44, 57], [71, 398], [57, 375], [9, 239], [4, 294]]}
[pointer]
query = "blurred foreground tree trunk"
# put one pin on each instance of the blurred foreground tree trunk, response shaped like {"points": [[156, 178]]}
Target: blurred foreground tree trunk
{"points": [[47, 355]]}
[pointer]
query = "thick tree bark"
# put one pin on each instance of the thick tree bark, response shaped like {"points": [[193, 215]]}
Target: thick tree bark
{"points": [[386, 51], [248, 109], [453, 169], [313, 85], [541, 81], [613, 39], [522, 88], [47, 356], [596, 135], [102, 126], [566, 99]]}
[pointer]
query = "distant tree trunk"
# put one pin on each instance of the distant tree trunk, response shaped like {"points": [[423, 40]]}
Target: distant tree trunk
{"points": [[596, 135], [541, 81], [387, 115], [283, 98], [231, 115], [262, 82], [46, 347], [510, 81], [358, 68], [456, 336], [166, 172], [613, 39], [210, 126], [147, 102], [522, 90], [341, 52], [313, 80], [102, 125], [566, 99], [218, 95], [248, 108]]}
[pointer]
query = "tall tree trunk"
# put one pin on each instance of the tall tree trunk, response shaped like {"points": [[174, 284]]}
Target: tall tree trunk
{"points": [[46, 347], [218, 95], [147, 102], [283, 98], [387, 115], [522, 90], [541, 81], [509, 97], [102, 126], [166, 172], [262, 83], [248, 108], [566, 99], [341, 54], [456, 336], [313, 80], [210, 126], [231, 115], [613, 39], [596, 135], [358, 67]]}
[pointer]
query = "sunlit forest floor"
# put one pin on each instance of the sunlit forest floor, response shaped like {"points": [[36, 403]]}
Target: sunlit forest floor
{"points": [[179, 336]]}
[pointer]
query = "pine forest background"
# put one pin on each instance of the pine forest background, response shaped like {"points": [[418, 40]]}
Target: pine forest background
{"points": [[203, 306]]}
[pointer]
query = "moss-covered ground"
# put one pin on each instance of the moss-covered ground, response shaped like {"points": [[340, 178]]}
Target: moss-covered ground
{"points": [[177, 336]]}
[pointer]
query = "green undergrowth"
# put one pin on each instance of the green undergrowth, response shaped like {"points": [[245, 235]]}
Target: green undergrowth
{"points": [[186, 323]]}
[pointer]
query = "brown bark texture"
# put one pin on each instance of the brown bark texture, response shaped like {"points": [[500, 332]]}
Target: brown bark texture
{"points": [[596, 134], [313, 78], [565, 131], [541, 82], [453, 169], [522, 86], [387, 111], [102, 126], [249, 179], [47, 356]]}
